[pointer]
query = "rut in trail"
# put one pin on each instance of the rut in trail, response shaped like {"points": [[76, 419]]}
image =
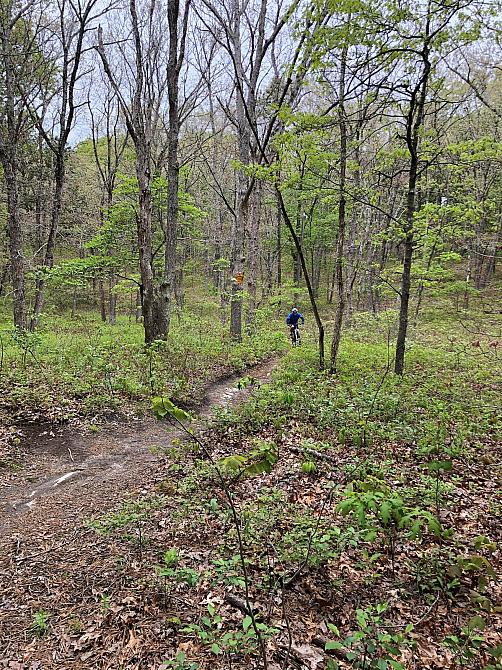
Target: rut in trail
{"points": [[68, 475]]}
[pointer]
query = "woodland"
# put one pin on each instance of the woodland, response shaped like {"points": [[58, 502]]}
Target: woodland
{"points": [[181, 486]]}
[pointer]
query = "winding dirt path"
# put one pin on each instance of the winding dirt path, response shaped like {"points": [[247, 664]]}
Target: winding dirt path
{"points": [[69, 475], [51, 561]]}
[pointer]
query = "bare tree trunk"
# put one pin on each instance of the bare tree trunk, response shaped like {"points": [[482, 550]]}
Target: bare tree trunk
{"points": [[254, 251], [102, 300], [50, 245], [15, 246], [340, 237], [152, 303], [176, 56], [243, 187], [112, 301], [414, 125], [9, 148], [279, 246]]}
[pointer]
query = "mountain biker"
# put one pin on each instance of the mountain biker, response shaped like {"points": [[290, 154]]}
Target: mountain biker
{"points": [[293, 317]]}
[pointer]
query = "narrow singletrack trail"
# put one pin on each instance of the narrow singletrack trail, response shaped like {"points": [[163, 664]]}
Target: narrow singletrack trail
{"points": [[51, 560], [69, 475]]}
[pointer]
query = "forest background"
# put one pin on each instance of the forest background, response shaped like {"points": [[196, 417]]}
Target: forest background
{"points": [[175, 177]]}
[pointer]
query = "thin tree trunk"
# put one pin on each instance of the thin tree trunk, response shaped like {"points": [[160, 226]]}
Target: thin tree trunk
{"points": [[152, 303], [414, 126], [279, 246], [254, 251], [15, 247], [57, 204], [9, 146], [340, 238], [171, 273], [313, 302]]}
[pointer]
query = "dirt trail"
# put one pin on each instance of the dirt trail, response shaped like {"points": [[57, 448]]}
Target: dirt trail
{"points": [[69, 475]]}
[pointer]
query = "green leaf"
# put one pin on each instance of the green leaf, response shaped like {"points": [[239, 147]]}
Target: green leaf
{"points": [[334, 629], [234, 462], [436, 466], [496, 652], [247, 622], [476, 623], [362, 618], [259, 468], [385, 511], [308, 467], [215, 648], [332, 644], [163, 407]]}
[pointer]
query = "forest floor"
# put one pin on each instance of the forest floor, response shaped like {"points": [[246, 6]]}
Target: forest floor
{"points": [[64, 479], [58, 460], [368, 507]]}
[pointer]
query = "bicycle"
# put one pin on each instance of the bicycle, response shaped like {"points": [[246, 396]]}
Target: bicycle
{"points": [[295, 335]]}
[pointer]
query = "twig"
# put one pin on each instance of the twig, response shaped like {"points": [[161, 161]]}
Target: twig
{"points": [[416, 623], [288, 628], [290, 580], [240, 604], [176, 422], [313, 452]]}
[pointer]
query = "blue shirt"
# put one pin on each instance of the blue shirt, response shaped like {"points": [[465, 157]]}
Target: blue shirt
{"points": [[293, 318]]}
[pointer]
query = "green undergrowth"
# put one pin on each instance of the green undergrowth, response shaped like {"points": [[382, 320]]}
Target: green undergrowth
{"points": [[83, 367], [449, 395], [366, 506]]}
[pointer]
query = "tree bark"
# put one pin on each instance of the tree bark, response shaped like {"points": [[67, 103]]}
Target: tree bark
{"points": [[9, 148], [15, 243], [172, 275], [50, 245], [414, 124], [340, 237]]}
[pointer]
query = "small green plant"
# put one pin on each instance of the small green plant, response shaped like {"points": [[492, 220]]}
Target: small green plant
{"points": [[467, 644], [309, 467], [170, 570], [370, 645], [432, 573], [245, 382], [379, 509], [131, 513], [242, 641], [105, 603], [76, 625], [170, 557], [475, 572], [260, 459], [179, 662], [228, 571], [40, 624]]}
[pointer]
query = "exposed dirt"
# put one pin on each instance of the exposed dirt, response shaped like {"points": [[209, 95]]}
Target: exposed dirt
{"points": [[68, 474]]}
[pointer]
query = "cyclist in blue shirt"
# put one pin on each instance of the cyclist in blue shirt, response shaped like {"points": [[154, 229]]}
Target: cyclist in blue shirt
{"points": [[293, 317], [292, 320]]}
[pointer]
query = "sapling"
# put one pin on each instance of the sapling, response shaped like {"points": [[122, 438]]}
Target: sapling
{"points": [[40, 624], [371, 644]]}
